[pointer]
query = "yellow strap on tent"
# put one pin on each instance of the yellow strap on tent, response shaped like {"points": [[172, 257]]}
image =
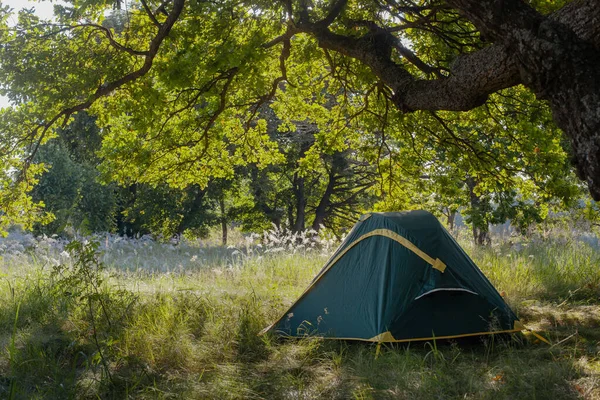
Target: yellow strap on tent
{"points": [[437, 263]]}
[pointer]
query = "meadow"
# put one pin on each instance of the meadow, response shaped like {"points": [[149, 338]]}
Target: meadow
{"points": [[136, 318]]}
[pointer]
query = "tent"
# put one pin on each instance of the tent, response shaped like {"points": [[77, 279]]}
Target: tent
{"points": [[398, 277]]}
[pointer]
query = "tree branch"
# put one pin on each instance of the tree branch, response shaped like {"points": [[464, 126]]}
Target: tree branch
{"points": [[336, 8], [107, 88], [472, 76], [151, 14], [112, 40]]}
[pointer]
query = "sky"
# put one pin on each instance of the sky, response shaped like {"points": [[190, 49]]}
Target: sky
{"points": [[43, 9]]}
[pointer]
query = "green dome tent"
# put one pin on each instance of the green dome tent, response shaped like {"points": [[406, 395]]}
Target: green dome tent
{"points": [[398, 276]]}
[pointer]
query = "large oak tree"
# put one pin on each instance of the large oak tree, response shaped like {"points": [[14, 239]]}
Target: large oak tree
{"points": [[177, 83]]}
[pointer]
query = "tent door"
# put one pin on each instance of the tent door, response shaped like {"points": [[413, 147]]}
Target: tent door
{"points": [[446, 312]]}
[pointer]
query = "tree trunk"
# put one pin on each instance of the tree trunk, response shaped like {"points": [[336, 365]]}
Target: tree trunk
{"points": [[480, 226], [451, 219], [563, 70], [258, 194], [557, 57], [324, 203], [290, 215], [223, 221], [300, 203]]}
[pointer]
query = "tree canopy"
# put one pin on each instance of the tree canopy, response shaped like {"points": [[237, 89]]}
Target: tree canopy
{"points": [[180, 88]]}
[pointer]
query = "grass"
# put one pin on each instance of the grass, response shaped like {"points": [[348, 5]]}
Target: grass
{"points": [[191, 331]]}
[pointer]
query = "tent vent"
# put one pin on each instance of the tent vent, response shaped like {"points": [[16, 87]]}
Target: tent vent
{"points": [[446, 290]]}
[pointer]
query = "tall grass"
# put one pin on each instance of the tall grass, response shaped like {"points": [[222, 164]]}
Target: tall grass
{"points": [[183, 320]]}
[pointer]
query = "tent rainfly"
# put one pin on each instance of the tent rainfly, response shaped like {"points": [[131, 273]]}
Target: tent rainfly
{"points": [[398, 277]]}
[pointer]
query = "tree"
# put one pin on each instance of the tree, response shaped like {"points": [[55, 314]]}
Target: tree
{"points": [[164, 211], [329, 179], [71, 187], [314, 186], [184, 78], [516, 169]]}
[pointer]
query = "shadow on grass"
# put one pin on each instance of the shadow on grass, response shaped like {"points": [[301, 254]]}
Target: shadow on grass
{"points": [[339, 370], [456, 372], [45, 364], [500, 367], [576, 321], [311, 369], [54, 355]]}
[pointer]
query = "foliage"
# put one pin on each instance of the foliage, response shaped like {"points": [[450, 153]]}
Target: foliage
{"points": [[71, 191], [163, 211], [500, 162], [221, 92]]}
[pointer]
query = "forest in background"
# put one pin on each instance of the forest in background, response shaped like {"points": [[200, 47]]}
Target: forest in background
{"points": [[332, 193], [294, 132]]}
